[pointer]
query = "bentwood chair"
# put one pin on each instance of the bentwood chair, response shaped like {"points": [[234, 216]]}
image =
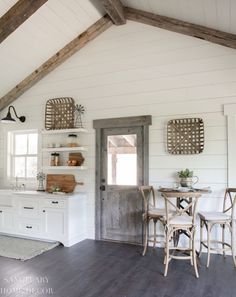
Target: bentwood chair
{"points": [[182, 221], [150, 213], [224, 219]]}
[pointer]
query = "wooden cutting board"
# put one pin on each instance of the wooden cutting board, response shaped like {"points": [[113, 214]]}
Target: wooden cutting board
{"points": [[66, 182]]}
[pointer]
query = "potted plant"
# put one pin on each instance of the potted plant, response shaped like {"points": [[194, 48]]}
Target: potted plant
{"points": [[186, 178]]}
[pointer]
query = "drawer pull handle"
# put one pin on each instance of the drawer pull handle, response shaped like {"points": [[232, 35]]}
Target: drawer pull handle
{"points": [[0, 211], [43, 210], [54, 202], [29, 227], [26, 207]]}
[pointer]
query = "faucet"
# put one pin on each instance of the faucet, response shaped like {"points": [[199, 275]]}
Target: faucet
{"points": [[17, 187]]}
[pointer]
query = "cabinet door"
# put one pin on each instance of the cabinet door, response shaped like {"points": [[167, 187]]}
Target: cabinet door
{"points": [[54, 223], [6, 220]]}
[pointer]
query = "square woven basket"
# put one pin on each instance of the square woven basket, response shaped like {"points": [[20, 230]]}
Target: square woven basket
{"points": [[59, 113], [185, 136]]}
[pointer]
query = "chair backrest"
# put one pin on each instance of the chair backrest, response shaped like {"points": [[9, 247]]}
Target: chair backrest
{"points": [[181, 204], [229, 201], [148, 196]]}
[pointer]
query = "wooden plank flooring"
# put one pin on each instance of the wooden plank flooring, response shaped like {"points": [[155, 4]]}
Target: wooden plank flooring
{"points": [[102, 269]]}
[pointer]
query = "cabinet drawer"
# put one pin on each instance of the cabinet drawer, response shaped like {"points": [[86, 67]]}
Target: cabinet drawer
{"points": [[28, 226], [29, 208], [55, 203]]}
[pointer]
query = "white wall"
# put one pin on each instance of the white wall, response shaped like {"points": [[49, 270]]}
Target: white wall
{"points": [[230, 112], [140, 70]]}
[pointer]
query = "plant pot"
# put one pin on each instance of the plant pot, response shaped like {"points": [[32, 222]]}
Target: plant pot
{"points": [[188, 181]]}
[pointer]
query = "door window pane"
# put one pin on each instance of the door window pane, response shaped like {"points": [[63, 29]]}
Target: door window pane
{"points": [[122, 159]]}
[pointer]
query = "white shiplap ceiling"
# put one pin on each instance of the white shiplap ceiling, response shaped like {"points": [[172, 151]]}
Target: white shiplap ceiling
{"points": [[57, 22], [5, 5], [216, 14], [49, 29]]}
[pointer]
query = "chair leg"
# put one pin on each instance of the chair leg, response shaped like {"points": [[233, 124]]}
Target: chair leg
{"points": [[155, 234], [165, 239], [232, 242], [167, 260], [191, 248], [145, 237], [176, 238], [194, 254], [223, 239], [201, 236], [208, 243]]}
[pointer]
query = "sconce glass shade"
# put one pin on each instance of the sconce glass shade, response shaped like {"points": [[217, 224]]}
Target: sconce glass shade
{"points": [[9, 118]]}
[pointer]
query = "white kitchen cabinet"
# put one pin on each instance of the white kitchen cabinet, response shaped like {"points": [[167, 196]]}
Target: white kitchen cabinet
{"points": [[54, 222], [7, 219], [45, 216], [29, 226], [28, 207]]}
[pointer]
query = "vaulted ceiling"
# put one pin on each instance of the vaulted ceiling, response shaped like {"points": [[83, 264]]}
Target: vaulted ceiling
{"points": [[216, 14], [49, 29], [57, 22]]}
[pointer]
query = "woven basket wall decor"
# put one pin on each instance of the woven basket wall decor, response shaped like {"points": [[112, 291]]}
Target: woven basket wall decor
{"points": [[185, 136], [59, 113]]}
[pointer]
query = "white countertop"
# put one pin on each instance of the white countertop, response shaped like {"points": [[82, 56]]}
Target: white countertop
{"points": [[40, 193]]}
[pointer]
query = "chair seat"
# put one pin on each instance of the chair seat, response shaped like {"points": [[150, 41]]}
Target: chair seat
{"points": [[181, 220], [214, 216], [156, 212]]}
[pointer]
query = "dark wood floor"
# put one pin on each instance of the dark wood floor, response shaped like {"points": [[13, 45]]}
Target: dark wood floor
{"points": [[101, 269]]}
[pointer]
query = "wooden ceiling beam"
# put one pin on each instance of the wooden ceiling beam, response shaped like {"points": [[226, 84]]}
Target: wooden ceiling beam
{"points": [[115, 10], [66, 52], [17, 15], [215, 36], [131, 140]]}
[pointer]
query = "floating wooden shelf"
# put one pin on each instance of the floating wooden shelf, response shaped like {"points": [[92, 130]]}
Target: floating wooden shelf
{"points": [[65, 131], [64, 167], [65, 149]]}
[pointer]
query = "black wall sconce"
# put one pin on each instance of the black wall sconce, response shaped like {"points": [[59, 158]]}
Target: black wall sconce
{"points": [[9, 118]]}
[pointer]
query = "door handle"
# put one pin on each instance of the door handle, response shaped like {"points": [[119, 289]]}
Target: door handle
{"points": [[102, 188]]}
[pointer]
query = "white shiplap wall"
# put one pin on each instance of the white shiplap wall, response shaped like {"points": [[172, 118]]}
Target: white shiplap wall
{"points": [[136, 70]]}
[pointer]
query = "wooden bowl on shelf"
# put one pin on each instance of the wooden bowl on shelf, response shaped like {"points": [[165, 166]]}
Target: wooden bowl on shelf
{"points": [[72, 163], [78, 157]]}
